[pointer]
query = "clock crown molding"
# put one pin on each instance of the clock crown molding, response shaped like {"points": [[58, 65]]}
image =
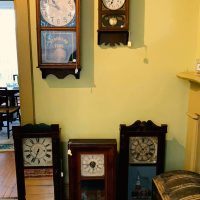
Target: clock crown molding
{"points": [[34, 130], [144, 126]]}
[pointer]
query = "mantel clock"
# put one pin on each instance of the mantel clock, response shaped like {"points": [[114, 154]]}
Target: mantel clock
{"points": [[58, 34], [92, 169], [37, 157], [113, 22], [142, 153]]}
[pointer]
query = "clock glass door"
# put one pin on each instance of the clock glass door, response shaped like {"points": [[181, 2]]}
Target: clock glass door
{"points": [[38, 171], [142, 151], [92, 180]]}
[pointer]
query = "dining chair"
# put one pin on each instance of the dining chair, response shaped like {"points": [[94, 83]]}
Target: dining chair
{"points": [[7, 110]]}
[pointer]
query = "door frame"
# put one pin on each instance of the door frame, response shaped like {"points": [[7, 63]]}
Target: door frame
{"points": [[25, 68]]}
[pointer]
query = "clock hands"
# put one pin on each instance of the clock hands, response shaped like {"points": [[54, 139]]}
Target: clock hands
{"points": [[54, 4], [33, 159]]}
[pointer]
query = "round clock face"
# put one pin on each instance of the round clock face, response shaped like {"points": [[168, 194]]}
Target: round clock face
{"points": [[143, 149], [58, 12], [113, 4], [37, 151], [92, 164]]}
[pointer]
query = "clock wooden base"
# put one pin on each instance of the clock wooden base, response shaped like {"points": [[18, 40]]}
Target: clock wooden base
{"points": [[60, 73], [113, 37]]}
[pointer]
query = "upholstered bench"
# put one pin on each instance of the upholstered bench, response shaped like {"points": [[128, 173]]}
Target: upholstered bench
{"points": [[176, 185]]}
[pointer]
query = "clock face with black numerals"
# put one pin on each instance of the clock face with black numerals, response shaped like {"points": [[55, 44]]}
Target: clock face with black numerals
{"points": [[143, 149], [92, 164], [58, 12], [37, 152], [113, 4]]}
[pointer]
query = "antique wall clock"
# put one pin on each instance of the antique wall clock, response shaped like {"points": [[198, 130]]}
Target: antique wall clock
{"points": [[58, 34], [92, 169], [37, 152], [142, 153], [113, 16]]}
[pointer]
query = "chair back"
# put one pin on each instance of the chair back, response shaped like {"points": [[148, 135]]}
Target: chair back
{"points": [[4, 97]]}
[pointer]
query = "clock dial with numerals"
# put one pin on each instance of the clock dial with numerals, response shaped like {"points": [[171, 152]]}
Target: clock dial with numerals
{"points": [[113, 4], [92, 164], [143, 149], [58, 12], [37, 151]]}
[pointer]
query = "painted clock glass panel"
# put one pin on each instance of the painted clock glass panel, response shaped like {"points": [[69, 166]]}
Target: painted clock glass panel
{"points": [[58, 46], [57, 13], [140, 182]]}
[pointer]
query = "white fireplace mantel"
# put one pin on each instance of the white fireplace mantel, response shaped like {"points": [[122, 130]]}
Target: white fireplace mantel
{"points": [[190, 76], [192, 149]]}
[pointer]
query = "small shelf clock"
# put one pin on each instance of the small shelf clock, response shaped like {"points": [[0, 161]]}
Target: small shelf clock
{"points": [[113, 26], [92, 169], [142, 153], [58, 35]]}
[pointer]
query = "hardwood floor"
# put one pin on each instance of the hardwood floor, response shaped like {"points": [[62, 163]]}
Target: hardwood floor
{"points": [[36, 188], [8, 186]]}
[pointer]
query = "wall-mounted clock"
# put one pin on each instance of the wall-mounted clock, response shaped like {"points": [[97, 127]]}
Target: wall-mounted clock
{"points": [[113, 16], [37, 152], [92, 169], [58, 34], [142, 153]]}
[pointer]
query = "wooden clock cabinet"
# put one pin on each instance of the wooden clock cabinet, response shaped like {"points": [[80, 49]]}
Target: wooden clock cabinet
{"points": [[92, 169]]}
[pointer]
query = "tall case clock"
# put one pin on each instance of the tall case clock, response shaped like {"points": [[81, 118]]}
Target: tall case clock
{"points": [[92, 169], [142, 154], [58, 35], [37, 152], [113, 25]]}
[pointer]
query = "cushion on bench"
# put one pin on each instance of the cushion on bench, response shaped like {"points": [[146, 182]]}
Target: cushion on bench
{"points": [[177, 185]]}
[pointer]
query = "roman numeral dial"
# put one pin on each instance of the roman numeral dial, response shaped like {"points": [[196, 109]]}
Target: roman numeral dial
{"points": [[37, 151], [143, 149]]}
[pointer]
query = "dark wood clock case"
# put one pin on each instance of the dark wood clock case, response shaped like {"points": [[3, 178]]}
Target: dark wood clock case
{"points": [[94, 187], [65, 68], [118, 33], [37, 131], [127, 181]]}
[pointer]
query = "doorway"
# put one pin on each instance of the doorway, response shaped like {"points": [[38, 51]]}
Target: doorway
{"points": [[8, 70], [8, 48]]}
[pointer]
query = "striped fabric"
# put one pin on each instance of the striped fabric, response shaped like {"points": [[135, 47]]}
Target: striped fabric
{"points": [[177, 185]]}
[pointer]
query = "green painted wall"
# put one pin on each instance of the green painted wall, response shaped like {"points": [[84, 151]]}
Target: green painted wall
{"points": [[122, 84]]}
